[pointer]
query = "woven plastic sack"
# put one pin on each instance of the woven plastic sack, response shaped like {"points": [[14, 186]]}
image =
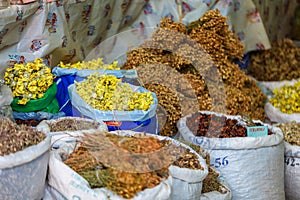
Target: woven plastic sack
{"points": [[215, 195], [23, 174], [47, 103], [64, 182], [225, 193], [252, 167], [144, 121], [292, 171], [186, 183]]}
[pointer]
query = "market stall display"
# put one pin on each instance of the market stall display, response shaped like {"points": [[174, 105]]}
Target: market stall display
{"points": [[24, 154], [232, 149], [146, 103], [291, 132]]}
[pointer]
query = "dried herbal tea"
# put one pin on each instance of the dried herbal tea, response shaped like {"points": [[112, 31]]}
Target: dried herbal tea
{"points": [[69, 124], [14, 137], [213, 126], [280, 62], [291, 132], [211, 182], [128, 164]]}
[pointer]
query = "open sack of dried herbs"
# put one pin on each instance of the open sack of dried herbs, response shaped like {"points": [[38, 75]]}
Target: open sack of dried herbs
{"points": [[32, 87], [274, 68], [190, 67], [24, 156], [67, 127], [127, 165], [283, 104], [291, 132], [240, 156], [67, 73], [122, 106], [213, 188], [70, 125]]}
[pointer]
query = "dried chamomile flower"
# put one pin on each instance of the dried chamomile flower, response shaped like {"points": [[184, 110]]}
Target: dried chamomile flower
{"points": [[107, 92], [29, 81], [94, 64]]}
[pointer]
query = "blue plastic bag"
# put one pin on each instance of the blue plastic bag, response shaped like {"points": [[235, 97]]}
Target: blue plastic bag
{"points": [[66, 77], [137, 120]]}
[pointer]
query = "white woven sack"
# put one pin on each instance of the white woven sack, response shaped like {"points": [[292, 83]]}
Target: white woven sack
{"points": [[23, 174], [274, 114], [71, 185], [292, 171], [186, 183], [252, 167], [215, 195]]}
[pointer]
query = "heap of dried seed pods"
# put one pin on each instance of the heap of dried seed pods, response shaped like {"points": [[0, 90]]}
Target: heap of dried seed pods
{"points": [[134, 166], [281, 62], [14, 138], [291, 132], [72, 124], [213, 126], [202, 54], [171, 112], [214, 35]]}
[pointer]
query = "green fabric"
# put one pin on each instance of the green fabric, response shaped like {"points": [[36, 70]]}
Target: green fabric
{"points": [[47, 103], [53, 107]]}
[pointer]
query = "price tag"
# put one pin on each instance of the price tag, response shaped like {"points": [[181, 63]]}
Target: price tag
{"points": [[257, 131]]}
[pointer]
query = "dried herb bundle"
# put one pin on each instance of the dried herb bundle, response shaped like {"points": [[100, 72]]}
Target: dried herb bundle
{"points": [[279, 63], [14, 138], [128, 164]]}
